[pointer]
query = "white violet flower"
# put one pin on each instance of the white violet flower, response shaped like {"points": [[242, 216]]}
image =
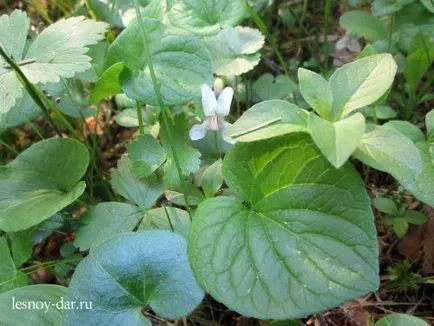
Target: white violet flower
{"points": [[215, 111]]}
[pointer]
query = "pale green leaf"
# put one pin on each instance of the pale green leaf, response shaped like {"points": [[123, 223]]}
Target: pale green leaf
{"points": [[361, 23], [106, 220], [59, 51], [11, 90], [268, 87], [338, 140], [146, 154], [386, 149], [181, 62], [166, 218], [234, 50], [125, 274], [50, 294], [24, 110], [407, 129], [141, 191], [269, 119], [361, 83], [13, 34], [316, 91], [40, 182], [212, 178], [207, 17], [303, 241]]}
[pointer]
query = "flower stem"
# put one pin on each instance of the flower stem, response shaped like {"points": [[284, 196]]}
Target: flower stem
{"points": [[327, 12], [216, 142], [140, 118], [263, 28], [163, 108]]}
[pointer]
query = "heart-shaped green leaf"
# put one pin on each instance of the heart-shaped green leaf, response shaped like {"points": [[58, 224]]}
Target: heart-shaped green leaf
{"points": [[302, 242], [338, 140], [40, 182], [129, 272], [181, 62]]}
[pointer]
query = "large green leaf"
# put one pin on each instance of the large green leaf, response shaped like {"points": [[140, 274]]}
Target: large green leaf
{"points": [[181, 61], [10, 277], [51, 295], [141, 191], [303, 241], [105, 221], [316, 91], [361, 83], [361, 23], [207, 17], [41, 181], [338, 140], [269, 119], [129, 272], [234, 50]]}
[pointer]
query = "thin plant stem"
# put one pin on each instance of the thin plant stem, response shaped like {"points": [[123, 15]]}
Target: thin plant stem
{"points": [[217, 142], [263, 28], [163, 108], [36, 130], [140, 118], [31, 89], [327, 12], [392, 27], [10, 148]]}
